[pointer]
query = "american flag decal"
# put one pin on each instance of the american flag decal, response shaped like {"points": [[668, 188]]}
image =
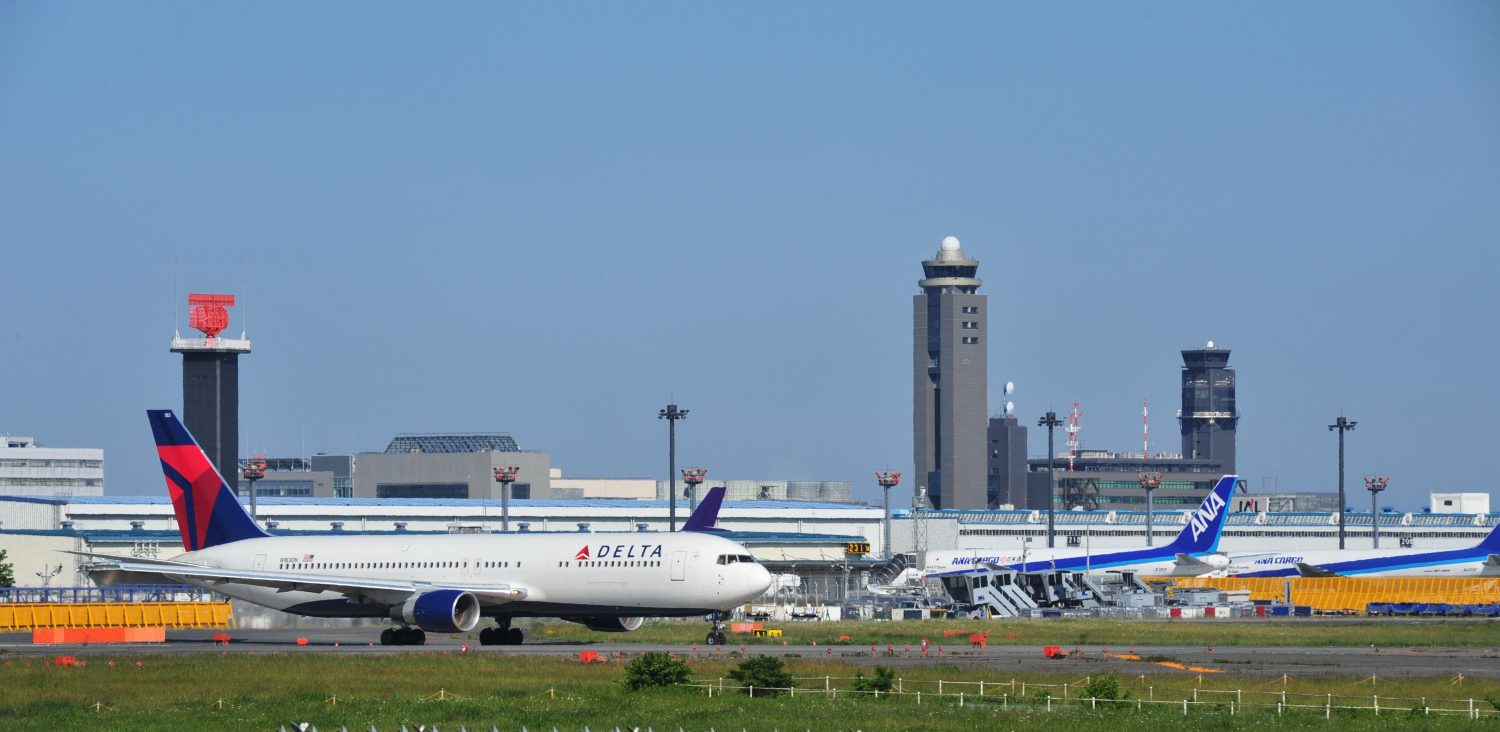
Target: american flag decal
{"points": [[307, 557]]}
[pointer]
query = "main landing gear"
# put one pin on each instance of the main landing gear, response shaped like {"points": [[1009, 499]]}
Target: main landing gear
{"points": [[402, 636], [716, 631], [503, 635]]}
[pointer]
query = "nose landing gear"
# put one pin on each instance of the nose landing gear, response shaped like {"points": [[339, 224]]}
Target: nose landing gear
{"points": [[716, 630]]}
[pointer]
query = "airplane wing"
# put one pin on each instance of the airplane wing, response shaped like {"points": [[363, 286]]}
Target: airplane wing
{"points": [[1312, 570], [357, 589]]}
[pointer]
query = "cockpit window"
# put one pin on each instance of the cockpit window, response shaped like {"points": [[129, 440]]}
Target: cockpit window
{"points": [[735, 558]]}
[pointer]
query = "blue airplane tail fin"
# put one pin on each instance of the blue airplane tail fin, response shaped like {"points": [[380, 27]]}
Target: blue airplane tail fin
{"points": [[1492, 542], [707, 514], [1207, 523], [208, 514]]}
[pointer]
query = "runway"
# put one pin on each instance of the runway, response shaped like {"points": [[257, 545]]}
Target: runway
{"points": [[1269, 662]]}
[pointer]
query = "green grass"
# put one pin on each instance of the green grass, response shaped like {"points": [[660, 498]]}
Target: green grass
{"points": [[1072, 632], [494, 689]]}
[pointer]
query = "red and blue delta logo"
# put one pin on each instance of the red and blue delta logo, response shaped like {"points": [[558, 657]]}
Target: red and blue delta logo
{"points": [[582, 553]]}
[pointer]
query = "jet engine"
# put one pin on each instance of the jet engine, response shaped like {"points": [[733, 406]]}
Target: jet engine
{"points": [[610, 623], [441, 611]]}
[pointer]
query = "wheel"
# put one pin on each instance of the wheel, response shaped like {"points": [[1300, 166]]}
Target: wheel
{"points": [[514, 637], [388, 637], [713, 638], [486, 637], [401, 636], [418, 637]]}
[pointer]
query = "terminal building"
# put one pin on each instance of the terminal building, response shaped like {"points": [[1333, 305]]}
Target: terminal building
{"points": [[29, 469]]}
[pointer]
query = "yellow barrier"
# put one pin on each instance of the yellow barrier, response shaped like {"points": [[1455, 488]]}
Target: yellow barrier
{"points": [[175, 615], [1345, 594]]}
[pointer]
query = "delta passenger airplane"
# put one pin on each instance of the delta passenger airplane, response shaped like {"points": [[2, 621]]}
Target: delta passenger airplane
{"points": [[1192, 554], [440, 583]]}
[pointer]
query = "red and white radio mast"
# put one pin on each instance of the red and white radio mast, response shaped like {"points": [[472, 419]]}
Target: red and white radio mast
{"points": [[1145, 432], [1073, 434]]}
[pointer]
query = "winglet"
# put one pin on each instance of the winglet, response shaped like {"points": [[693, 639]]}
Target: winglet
{"points": [[707, 514], [1207, 523], [208, 514]]}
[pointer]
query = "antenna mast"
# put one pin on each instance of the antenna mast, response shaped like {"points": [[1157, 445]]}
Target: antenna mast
{"points": [[1145, 432], [1073, 434]]}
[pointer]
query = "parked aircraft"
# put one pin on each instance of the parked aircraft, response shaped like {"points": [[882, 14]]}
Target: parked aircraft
{"points": [[441, 583], [1192, 554], [1480, 560]]}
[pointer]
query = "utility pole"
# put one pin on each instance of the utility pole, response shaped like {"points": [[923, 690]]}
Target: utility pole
{"points": [[672, 414], [1342, 425], [1051, 422]]}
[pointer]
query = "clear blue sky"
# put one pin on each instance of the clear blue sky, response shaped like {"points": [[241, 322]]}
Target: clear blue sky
{"points": [[552, 219]]}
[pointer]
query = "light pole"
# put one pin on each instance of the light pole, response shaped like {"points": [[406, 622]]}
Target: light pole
{"points": [[694, 478], [672, 414], [1376, 484], [1342, 425], [505, 476], [888, 480], [1150, 483], [1051, 422], [255, 469]]}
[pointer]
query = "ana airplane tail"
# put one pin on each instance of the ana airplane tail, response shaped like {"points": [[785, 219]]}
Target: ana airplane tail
{"points": [[1492, 542], [1207, 523], [208, 513], [707, 513]]}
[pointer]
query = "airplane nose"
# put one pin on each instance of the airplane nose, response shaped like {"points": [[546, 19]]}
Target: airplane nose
{"points": [[758, 580]]}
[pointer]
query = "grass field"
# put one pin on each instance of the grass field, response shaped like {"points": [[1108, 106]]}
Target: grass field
{"points": [[508, 692], [1079, 632]]}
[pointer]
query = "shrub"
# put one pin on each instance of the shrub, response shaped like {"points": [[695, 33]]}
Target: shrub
{"points": [[765, 672], [654, 669], [884, 680]]}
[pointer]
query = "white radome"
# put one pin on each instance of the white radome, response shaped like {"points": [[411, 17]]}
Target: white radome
{"points": [[950, 243]]}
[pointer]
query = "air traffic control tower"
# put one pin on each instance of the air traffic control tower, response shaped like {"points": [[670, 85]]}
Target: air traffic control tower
{"points": [[211, 383], [950, 411], [1208, 416]]}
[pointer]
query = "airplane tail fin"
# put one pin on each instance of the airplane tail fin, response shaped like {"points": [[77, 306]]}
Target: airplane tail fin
{"points": [[707, 514], [1207, 523], [1492, 542], [208, 513]]}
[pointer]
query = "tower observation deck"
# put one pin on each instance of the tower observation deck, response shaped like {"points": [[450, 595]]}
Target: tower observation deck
{"points": [[211, 383], [950, 381]]}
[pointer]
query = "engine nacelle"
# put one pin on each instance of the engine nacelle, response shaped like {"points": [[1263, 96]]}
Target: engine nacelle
{"points": [[610, 623], [440, 611]]}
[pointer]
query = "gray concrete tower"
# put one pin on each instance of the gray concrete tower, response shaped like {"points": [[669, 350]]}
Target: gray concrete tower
{"points": [[950, 383]]}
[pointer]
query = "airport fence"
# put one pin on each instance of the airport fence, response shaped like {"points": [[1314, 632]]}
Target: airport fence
{"points": [[1354, 594], [1140, 694]]}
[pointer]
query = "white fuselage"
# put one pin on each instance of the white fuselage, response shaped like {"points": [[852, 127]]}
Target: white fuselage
{"points": [[1041, 560], [560, 575], [1366, 563]]}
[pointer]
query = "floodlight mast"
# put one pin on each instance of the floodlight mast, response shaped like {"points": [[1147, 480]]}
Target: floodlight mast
{"points": [[888, 480], [672, 414], [255, 469], [505, 476], [1150, 483], [1342, 425], [694, 477], [1376, 484], [1051, 422]]}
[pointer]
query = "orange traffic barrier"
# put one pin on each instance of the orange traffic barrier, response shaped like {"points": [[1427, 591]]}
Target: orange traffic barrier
{"points": [[979, 639], [956, 633], [588, 656], [176, 615], [1352, 594]]}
